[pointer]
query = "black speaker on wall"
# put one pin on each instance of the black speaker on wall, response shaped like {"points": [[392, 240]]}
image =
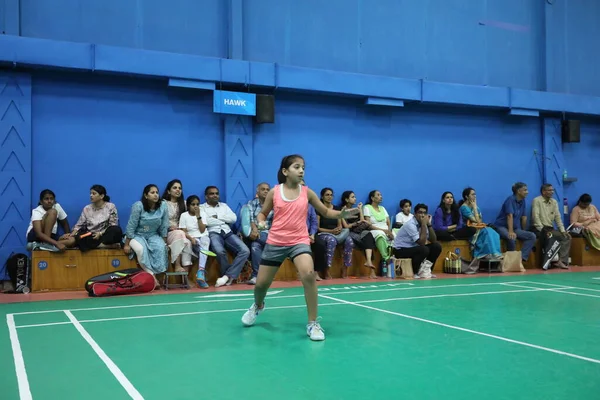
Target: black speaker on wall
{"points": [[265, 109], [570, 131]]}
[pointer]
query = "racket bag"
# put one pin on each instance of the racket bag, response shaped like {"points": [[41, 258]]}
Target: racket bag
{"points": [[127, 281], [551, 248]]}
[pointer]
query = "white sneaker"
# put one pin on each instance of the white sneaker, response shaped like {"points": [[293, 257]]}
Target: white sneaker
{"points": [[252, 281], [249, 317], [314, 331], [222, 281]]}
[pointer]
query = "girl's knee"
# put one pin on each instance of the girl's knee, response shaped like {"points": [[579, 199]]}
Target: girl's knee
{"points": [[307, 277], [262, 285]]}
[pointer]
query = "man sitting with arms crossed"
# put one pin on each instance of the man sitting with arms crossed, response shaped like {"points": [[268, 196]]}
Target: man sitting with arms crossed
{"points": [[411, 242]]}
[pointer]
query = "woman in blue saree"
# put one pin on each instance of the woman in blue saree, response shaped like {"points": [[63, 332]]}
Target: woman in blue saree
{"points": [[486, 241]]}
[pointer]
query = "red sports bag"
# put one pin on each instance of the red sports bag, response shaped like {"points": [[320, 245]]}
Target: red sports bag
{"points": [[120, 282]]}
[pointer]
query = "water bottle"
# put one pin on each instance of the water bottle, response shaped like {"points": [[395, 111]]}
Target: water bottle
{"points": [[384, 268], [565, 175]]}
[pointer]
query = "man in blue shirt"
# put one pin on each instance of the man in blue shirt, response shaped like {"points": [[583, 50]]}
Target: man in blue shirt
{"points": [[511, 222], [411, 242]]}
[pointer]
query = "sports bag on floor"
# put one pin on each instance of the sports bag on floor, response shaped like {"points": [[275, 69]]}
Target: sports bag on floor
{"points": [[126, 281]]}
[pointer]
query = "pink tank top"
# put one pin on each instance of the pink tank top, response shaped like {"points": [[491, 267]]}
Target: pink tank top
{"points": [[289, 219]]}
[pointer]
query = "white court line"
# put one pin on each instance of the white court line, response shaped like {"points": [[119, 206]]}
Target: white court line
{"points": [[24, 391], [246, 299], [533, 287], [165, 315], [132, 391], [453, 295], [561, 289], [552, 284], [280, 307], [458, 328]]}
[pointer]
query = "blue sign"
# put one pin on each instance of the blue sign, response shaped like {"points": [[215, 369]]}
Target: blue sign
{"points": [[116, 262], [42, 265], [238, 103]]}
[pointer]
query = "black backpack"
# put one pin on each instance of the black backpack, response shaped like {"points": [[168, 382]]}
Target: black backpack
{"points": [[18, 268]]}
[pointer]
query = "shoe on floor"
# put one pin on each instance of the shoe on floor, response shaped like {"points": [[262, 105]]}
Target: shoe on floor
{"points": [[249, 317], [224, 280], [314, 331], [201, 279]]}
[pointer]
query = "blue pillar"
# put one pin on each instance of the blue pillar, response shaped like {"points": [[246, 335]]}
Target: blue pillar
{"points": [[236, 30], [15, 163], [554, 161], [12, 17], [238, 161], [555, 47]]}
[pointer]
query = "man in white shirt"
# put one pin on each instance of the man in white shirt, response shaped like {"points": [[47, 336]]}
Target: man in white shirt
{"points": [[218, 218]]}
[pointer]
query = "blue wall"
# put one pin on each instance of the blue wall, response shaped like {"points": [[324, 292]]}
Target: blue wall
{"points": [[181, 26], [583, 163], [454, 41], [102, 110], [417, 153], [123, 135], [527, 44]]}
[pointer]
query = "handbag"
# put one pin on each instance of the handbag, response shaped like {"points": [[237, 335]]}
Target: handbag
{"points": [[512, 262], [476, 225], [452, 263], [361, 226]]}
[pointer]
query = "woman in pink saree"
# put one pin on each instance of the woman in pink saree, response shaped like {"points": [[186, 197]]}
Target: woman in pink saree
{"points": [[585, 219]]}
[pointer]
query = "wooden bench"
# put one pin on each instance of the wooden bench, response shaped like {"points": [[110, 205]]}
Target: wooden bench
{"points": [[582, 254], [288, 270], [70, 269]]}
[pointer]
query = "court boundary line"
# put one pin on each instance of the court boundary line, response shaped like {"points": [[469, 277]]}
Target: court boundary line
{"points": [[248, 298], [553, 284], [548, 349], [86, 321], [279, 307], [454, 295], [556, 290], [19, 361], [113, 368]]}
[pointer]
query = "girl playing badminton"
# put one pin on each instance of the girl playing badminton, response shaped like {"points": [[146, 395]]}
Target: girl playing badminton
{"points": [[288, 238]]}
